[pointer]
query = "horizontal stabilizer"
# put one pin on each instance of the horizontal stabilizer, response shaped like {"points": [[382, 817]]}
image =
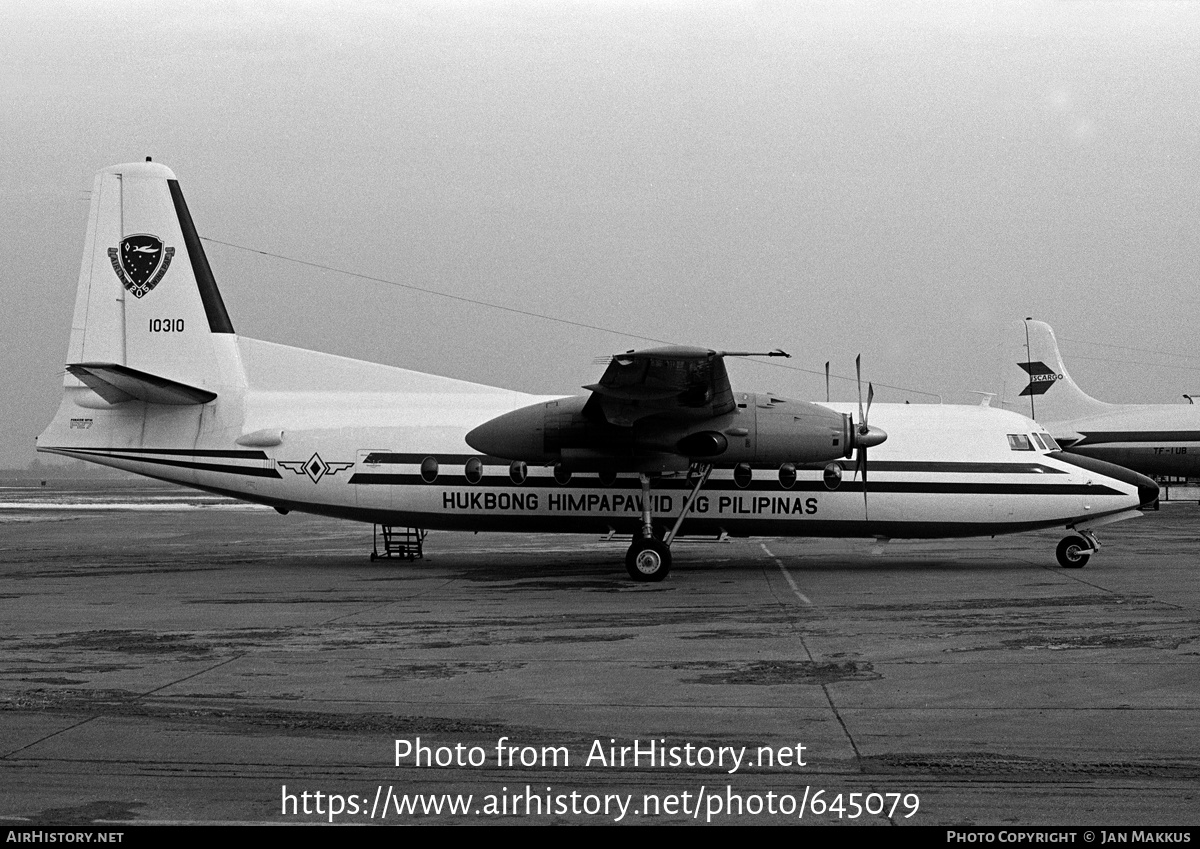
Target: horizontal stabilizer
{"points": [[117, 384]]}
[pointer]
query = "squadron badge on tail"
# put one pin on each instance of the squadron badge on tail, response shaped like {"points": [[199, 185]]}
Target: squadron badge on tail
{"points": [[140, 262]]}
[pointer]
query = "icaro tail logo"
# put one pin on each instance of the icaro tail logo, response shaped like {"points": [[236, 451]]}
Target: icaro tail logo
{"points": [[141, 262], [1041, 378]]}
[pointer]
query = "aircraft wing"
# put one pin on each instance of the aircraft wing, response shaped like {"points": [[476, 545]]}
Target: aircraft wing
{"points": [[675, 382]]}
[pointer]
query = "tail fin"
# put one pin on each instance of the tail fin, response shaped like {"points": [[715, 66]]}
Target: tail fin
{"points": [[147, 308], [1037, 382]]}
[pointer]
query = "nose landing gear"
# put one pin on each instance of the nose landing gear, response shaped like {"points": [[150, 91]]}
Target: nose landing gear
{"points": [[1073, 552]]}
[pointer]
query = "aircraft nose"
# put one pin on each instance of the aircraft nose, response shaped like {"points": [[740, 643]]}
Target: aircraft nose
{"points": [[1146, 488], [1147, 491]]}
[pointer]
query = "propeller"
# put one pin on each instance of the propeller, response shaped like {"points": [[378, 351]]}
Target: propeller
{"points": [[827, 381], [865, 436]]}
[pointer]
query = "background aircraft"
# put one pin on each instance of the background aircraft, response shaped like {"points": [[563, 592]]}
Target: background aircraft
{"points": [[157, 382], [1154, 439]]}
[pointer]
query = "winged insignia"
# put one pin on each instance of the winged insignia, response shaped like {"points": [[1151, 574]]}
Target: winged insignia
{"points": [[315, 467]]}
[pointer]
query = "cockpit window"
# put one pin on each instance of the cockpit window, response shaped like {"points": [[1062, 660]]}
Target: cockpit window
{"points": [[1019, 442], [1051, 445], [1037, 437]]}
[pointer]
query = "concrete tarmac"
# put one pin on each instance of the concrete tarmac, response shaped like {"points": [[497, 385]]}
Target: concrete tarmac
{"points": [[214, 665]]}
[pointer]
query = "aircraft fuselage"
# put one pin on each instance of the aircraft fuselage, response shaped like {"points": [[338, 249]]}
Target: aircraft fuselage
{"points": [[1154, 439], [394, 452]]}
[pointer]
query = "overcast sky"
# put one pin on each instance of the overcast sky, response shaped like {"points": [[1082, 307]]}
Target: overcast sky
{"points": [[898, 179]]}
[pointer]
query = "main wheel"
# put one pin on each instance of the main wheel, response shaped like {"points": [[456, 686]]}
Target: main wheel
{"points": [[1073, 552], [648, 560]]}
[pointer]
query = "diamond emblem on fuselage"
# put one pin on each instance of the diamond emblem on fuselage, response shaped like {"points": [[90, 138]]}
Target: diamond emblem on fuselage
{"points": [[314, 467]]}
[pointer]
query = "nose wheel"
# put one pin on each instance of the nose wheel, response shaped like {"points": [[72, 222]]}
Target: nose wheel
{"points": [[1073, 552], [648, 560]]}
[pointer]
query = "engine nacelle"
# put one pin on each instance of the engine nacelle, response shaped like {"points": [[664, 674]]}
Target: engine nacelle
{"points": [[763, 429], [799, 432]]}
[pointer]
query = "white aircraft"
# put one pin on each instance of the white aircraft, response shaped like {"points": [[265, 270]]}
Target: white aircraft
{"points": [[159, 384], [1154, 439]]}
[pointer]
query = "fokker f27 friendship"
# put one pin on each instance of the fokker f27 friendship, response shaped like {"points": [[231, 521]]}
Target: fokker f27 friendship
{"points": [[158, 383]]}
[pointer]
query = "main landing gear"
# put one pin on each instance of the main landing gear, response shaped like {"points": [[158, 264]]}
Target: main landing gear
{"points": [[649, 557], [1074, 551]]}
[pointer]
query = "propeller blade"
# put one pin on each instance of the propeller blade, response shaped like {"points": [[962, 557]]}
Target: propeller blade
{"points": [[860, 464], [862, 456], [858, 371], [863, 430], [827, 381]]}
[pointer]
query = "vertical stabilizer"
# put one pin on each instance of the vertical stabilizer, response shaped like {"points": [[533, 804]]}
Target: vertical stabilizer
{"points": [[147, 300], [1038, 383]]}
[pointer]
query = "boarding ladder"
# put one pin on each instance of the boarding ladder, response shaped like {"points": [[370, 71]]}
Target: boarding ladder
{"points": [[402, 543]]}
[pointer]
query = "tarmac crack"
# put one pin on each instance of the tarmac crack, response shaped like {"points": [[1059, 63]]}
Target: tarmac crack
{"points": [[990, 764]]}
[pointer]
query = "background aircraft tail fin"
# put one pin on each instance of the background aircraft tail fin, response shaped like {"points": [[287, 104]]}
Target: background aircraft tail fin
{"points": [[1037, 382], [147, 300]]}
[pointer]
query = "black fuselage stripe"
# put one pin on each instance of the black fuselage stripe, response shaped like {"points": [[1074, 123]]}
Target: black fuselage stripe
{"points": [[180, 452], [964, 468], [1100, 437], [928, 487], [389, 459], [246, 471]]}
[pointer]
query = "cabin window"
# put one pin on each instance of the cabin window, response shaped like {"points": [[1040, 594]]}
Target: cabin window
{"points": [[608, 477], [562, 475], [429, 470], [832, 476], [787, 475], [518, 471], [1019, 442], [474, 470], [742, 475]]}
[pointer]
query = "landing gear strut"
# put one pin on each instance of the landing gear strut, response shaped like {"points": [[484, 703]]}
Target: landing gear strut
{"points": [[648, 558]]}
